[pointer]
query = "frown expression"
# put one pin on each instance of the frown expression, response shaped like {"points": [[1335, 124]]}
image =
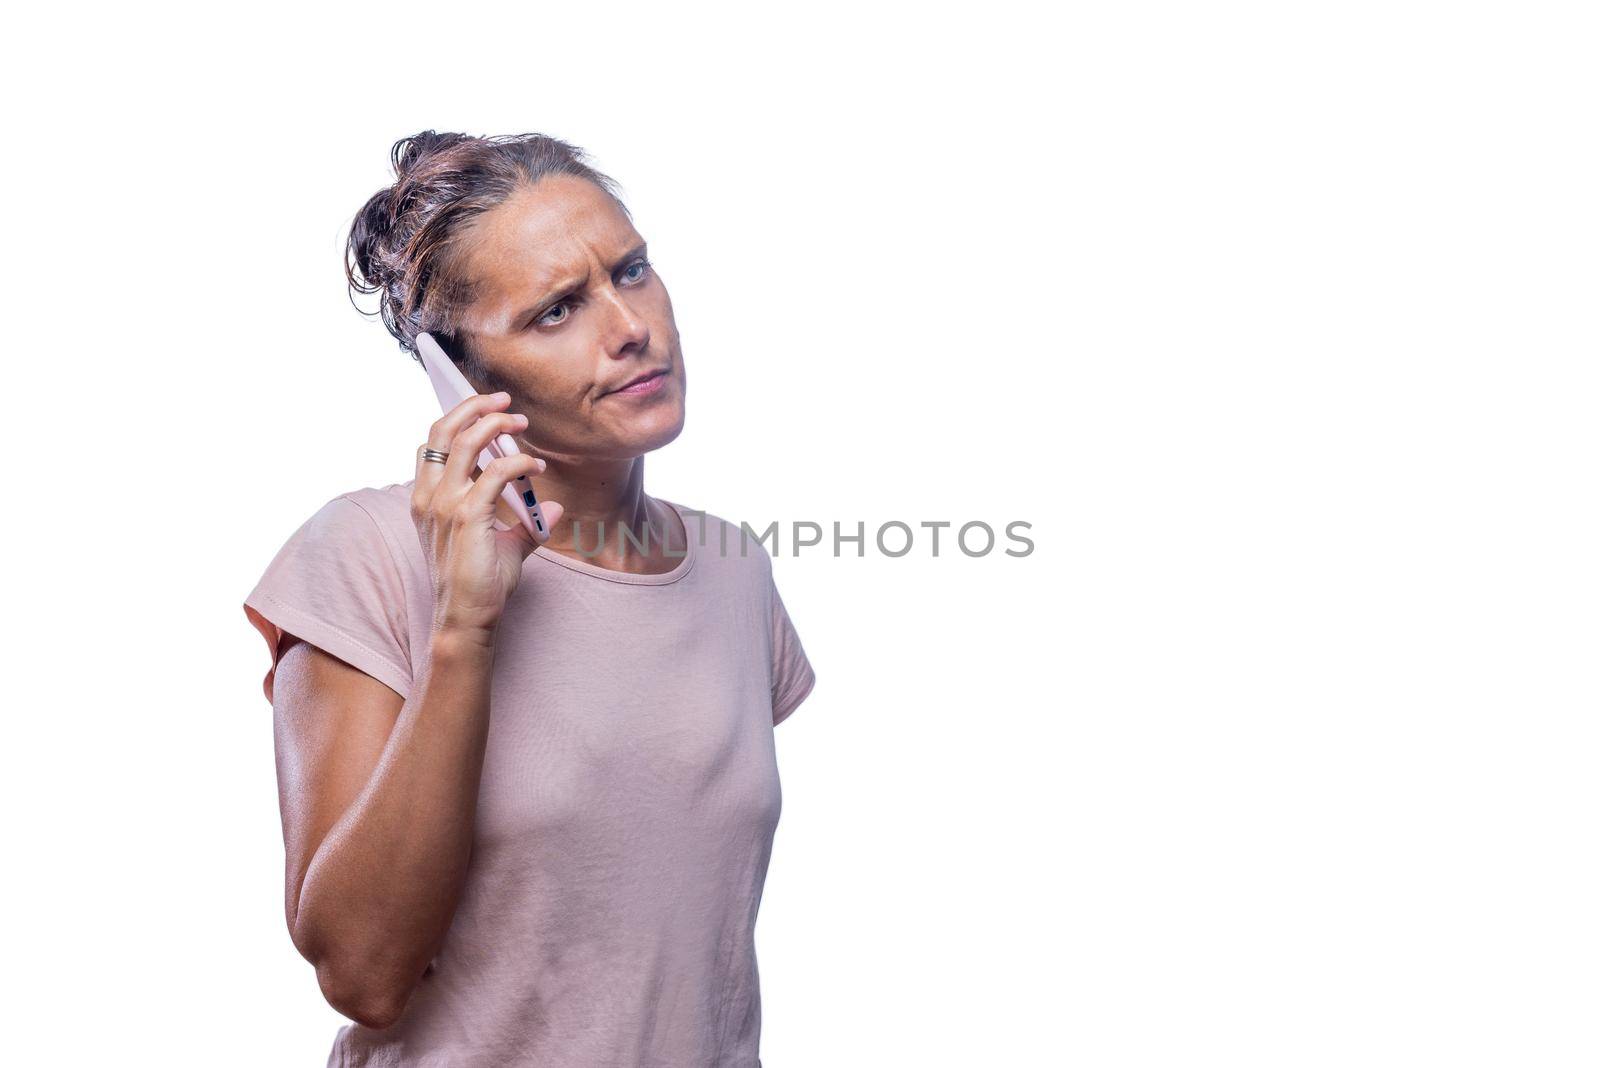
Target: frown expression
{"points": [[565, 310]]}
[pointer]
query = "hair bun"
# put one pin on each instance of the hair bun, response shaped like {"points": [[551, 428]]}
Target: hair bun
{"points": [[408, 152], [401, 241], [376, 254]]}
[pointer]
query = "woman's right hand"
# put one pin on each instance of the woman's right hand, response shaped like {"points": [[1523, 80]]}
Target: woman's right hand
{"points": [[474, 567]]}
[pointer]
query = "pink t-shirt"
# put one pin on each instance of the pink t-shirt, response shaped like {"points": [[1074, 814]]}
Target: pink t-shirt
{"points": [[629, 796]]}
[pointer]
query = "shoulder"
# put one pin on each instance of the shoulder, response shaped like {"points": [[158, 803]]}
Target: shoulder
{"points": [[364, 518], [384, 503], [727, 543], [386, 508]]}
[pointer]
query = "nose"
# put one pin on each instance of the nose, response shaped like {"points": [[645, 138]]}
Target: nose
{"points": [[629, 330]]}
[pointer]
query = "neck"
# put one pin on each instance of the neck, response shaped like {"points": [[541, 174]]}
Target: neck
{"points": [[592, 491], [607, 497]]}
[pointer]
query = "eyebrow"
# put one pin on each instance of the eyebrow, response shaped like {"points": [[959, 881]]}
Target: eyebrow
{"points": [[566, 290]]}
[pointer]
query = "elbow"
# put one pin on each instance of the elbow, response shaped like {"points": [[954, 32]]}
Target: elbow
{"points": [[354, 988], [378, 1015], [368, 1003]]}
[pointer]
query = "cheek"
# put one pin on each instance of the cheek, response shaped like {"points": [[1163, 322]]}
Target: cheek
{"points": [[556, 390], [663, 315]]}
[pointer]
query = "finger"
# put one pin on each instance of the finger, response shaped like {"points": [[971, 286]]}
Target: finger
{"points": [[486, 490], [443, 431], [468, 446]]}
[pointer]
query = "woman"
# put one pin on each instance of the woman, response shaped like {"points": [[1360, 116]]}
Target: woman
{"points": [[528, 791]]}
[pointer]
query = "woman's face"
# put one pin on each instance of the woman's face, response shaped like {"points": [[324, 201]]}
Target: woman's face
{"points": [[566, 311]]}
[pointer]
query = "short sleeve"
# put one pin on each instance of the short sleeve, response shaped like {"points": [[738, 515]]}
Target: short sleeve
{"points": [[335, 584], [792, 674]]}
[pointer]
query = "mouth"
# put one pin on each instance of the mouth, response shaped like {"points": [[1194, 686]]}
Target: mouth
{"points": [[642, 384]]}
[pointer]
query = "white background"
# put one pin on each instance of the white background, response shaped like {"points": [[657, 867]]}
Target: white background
{"points": [[1277, 322]]}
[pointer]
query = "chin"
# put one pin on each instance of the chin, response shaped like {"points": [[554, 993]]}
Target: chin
{"points": [[648, 433], [664, 434]]}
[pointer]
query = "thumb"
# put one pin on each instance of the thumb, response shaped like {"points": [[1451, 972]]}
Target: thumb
{"points": [[526, 542], [552, 513]]}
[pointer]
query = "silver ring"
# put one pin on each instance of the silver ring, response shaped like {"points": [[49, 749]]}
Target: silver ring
{"points": [[434, 455]]}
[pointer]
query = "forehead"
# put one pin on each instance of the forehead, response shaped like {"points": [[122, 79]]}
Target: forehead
{"points": [[539, 238]]}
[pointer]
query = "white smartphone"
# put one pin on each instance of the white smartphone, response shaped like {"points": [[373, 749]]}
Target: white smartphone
{"points": [[453, 388]]}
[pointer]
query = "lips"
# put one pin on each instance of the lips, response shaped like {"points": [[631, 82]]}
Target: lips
{"points": [[643, 377]]}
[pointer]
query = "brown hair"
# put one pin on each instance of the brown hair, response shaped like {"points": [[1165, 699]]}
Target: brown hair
{"points": [[403, 245]]}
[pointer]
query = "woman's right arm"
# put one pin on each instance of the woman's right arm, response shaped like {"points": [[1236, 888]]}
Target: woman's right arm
{"points": [[378, 799], [379, 794]]}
